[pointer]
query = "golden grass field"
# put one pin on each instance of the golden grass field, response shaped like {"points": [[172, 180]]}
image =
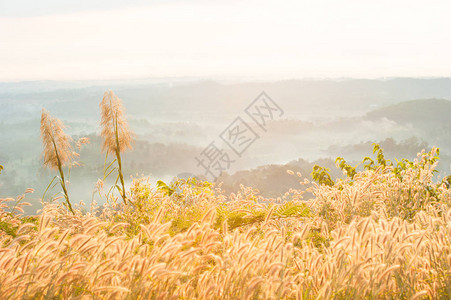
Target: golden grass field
{"points": [[383, 232], [381, 235]]}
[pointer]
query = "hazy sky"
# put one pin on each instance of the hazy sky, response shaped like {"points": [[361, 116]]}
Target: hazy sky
{"points": [[111, 39]]}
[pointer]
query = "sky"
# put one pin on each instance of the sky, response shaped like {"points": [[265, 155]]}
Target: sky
{"points": [[266, 39]]}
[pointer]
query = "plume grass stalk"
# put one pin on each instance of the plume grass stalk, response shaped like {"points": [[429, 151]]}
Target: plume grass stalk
{"points": [[57, 148], [62, 181], [116, 133], [119, 163]]}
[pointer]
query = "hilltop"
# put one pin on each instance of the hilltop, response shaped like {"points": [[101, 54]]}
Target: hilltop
{"points": [[422, 112]]}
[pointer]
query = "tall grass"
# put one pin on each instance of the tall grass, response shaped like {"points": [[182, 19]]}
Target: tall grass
{"points": [[116, 134], [57, 148], [356, 240]]}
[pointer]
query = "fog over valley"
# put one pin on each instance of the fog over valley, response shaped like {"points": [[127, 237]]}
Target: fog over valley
{"points": [[174, 120]]}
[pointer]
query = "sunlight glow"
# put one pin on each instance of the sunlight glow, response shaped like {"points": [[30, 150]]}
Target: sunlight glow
{"points": [[258, 39]]}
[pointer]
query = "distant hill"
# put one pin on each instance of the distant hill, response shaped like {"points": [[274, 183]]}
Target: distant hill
{"points": [[175, 120], [416, 112], [213, 100]]}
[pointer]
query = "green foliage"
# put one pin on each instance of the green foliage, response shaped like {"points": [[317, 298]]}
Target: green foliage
{"points": [[369, 164], [8, 228], [30, 219], [344, 166], [292, 209], [380, 155], [178, 188], [182, 222], [447, 181], [164, 188], [402, 165], [322, 176], [239, 217], [318, 239], [428, 158]]}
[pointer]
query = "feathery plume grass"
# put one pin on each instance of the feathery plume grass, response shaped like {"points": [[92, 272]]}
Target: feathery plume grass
{"points": [[57, 148], [115, 132]]}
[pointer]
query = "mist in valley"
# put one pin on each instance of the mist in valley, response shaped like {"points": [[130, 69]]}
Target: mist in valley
{"points": [[174, 121]]}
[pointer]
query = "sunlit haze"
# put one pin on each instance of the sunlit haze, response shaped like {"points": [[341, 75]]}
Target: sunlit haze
{"points": [[236, 39]]}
